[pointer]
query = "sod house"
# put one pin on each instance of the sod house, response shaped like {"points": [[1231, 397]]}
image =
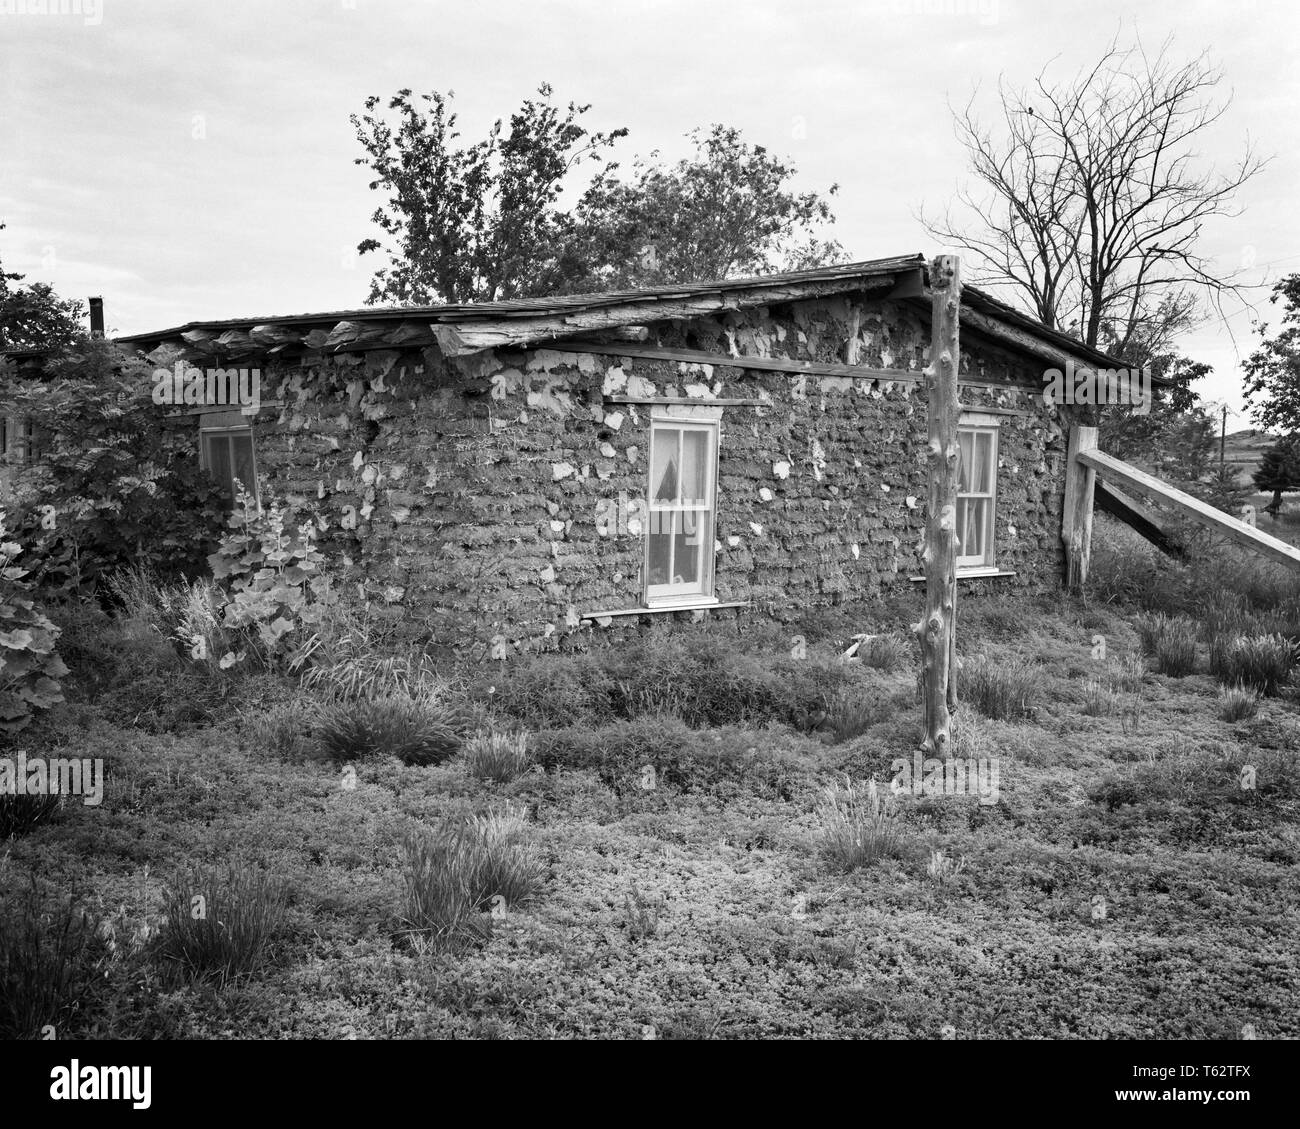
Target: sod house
{"points": [[503, 475]]}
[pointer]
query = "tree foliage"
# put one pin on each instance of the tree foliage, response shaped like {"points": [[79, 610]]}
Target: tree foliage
{"points": [[35, 317], [484, 221], [473, 223], [1272, 386], [114, 485], [1279, 471], [728, 211]]}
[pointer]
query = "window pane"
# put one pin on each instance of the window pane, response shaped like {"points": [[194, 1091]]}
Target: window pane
{"points": [[661, 548], [663, 465], [965, 441], [981, 463], [218, 459], [973, 540], [686, 549], [695, 474], [241, 447]]}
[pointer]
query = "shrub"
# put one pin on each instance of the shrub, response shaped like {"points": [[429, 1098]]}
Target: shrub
{"points": [[113, 485], [49, 960], [1170, 642], [455, 870], [855, 710], [942, 867], [275, 586], [285, 730], [29, 665], [498, 757], [20, 814], [702, 679], [415, 730], [1004, 691], [1261, 662], [858, 827], [887, 653], [724, 762], [371, 675], [1098, 698], [1236, 703], [643, 914], [218, 922]]}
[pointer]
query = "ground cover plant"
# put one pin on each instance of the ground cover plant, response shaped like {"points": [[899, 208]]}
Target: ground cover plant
{"points": [[675, 834]]}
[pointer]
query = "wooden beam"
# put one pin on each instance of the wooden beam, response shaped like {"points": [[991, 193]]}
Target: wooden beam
{"points": [[1021, 340], [769, 364], [699, 401], [1111, 502], [937, 630], [1111, 469], [1076, 510], [457, 340]]}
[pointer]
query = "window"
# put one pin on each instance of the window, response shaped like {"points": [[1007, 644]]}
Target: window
{"points": [[17, 440], [226, 453], [679, 543], [976, 491]]}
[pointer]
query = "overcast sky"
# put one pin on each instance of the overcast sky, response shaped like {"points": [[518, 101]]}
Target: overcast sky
{"points": [[194, 161]]}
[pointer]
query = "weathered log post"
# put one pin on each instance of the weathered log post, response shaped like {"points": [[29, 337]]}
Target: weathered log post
{"points": [[1076, 511], [936, 631]]}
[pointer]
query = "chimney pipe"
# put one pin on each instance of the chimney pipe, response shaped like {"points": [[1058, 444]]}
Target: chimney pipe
{"points": [[97, 317]]}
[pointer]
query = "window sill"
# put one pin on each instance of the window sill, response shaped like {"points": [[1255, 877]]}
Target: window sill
{"points": [[972, 574], [698, 606]]}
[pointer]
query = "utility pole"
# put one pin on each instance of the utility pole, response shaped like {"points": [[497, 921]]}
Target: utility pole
{"points": [[1223, 436]]}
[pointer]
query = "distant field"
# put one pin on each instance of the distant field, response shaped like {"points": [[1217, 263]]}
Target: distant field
{"points": [[1244, 451]]}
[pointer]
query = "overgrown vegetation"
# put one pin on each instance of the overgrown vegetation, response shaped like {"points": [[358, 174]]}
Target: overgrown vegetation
{"points": [[463, 872], [30, 667], [219, 920]]}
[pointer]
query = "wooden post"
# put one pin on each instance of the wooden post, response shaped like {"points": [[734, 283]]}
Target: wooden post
{"points": [[1076, 514], [939, 546]]}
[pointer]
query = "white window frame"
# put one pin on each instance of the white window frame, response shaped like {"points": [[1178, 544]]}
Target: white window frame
{"points": [[693, 594], [977, 422], [229, 431]]}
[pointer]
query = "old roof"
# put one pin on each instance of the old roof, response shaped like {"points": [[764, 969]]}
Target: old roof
{"points": [[460, 329]]}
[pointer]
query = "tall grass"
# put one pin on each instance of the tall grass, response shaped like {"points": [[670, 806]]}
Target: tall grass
{"points": [[1264, 663], [416, 731], [49, 957], [498, 757], [859, 826], [453, 871], [1004, 690], [219, 920], [1169, 642]]}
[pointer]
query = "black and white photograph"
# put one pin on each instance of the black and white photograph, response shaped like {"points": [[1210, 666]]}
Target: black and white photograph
{"points": [[650, 521]]}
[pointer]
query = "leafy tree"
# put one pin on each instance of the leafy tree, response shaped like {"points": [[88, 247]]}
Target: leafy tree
{"points": [[34, 317], [1273, 371], [1279, 471], [476, 223], [728, 211], [114, 484], [481, 222]]}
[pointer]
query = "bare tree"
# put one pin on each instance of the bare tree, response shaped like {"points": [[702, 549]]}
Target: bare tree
{"points": [[1090, 200]]}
